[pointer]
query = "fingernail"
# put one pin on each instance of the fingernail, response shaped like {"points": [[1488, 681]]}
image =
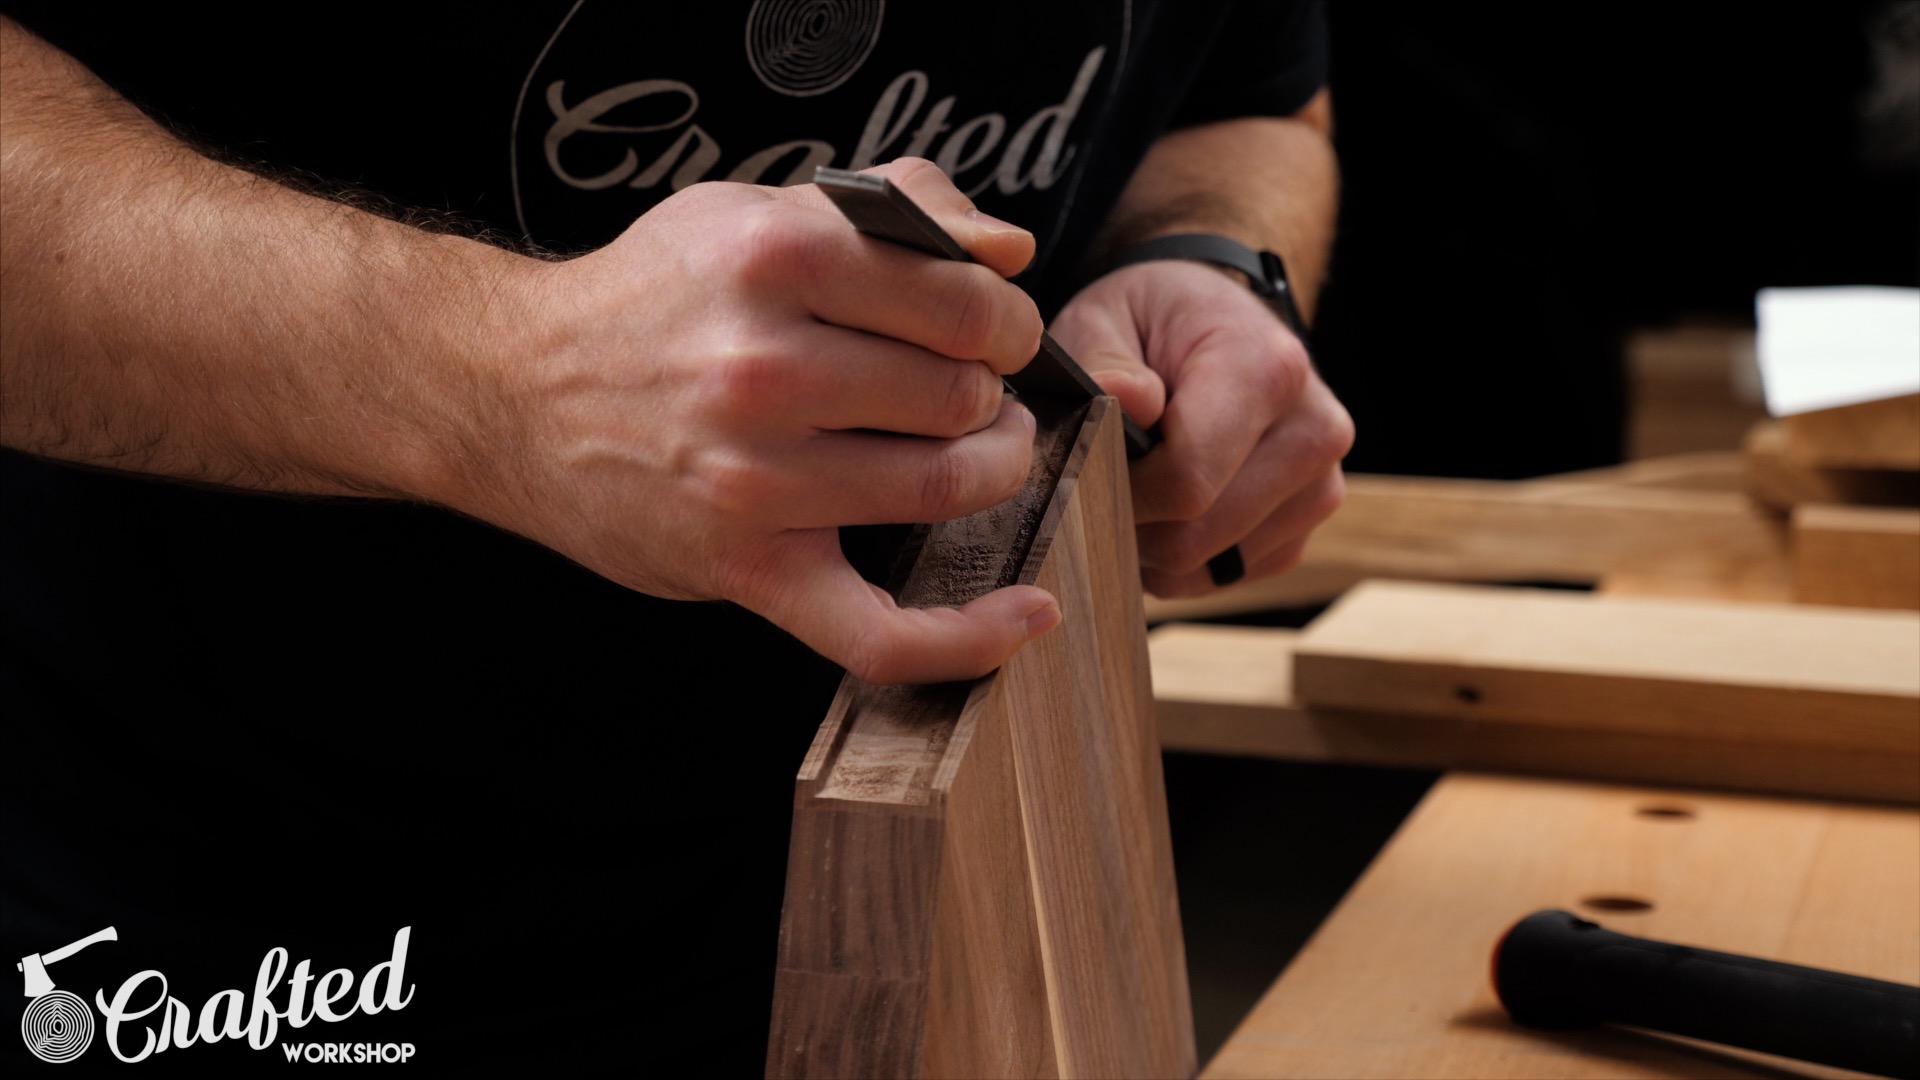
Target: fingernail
{"points": [[1045, 618], [1026, 418], [989, 223]]}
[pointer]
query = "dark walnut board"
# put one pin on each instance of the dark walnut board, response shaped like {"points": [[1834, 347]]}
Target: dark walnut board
{"points": [[980, 881]]}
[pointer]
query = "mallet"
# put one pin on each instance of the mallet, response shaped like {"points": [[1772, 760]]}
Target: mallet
{"points": [[1557, 970]]}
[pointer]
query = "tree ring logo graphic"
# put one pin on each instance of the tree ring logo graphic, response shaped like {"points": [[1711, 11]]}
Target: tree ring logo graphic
{"points": [[57, 1026], [807, 47]]}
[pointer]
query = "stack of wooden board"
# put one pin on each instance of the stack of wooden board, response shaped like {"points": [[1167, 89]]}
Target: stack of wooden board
{"points": [[1849, 478], [1841, 370], [1822, 511], [1769, 697]]}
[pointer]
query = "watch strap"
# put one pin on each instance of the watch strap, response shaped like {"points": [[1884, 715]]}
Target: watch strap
{"points": [[1266, 272]]}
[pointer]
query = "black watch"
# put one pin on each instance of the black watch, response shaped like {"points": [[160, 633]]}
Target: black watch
{"points": [[1266, 274]]}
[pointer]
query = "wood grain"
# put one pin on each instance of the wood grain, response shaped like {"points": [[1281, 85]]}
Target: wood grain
{"points": [[1700, 669], [981, 881], [1395, 983], [1488, 530], [1228, 690], [1582, 529], [1856, 556]]}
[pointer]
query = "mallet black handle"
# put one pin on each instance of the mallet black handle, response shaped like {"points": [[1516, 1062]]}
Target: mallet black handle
{"points": [[1557, 970]]}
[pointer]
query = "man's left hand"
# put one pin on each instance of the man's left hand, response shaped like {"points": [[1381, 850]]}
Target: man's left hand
{"points": [[1251, 438]]}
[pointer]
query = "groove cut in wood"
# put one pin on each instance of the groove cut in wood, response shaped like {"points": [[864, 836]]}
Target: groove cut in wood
{"points": [[980, 881], [1857, 556], [1228, 690], [1720, 671], [1395, 982]]}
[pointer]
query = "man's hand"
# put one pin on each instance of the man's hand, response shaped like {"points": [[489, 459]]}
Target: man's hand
{"points": [[740, 373], [1251, 438], [690, 411]]}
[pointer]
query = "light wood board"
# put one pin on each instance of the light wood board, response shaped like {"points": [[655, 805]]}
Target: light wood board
{"points": [[1776, 479], [1671, 522], [1881, 434], [1715, 670], [981, 880], [1700, 470], [1395, 983], [1857, 556], [1541, 531], [1229, 690]]}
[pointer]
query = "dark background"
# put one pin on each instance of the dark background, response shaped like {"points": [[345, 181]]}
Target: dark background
{"points": [[1524, 185], [1522, 188]]}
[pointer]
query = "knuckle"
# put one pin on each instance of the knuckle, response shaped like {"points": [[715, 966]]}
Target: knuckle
{"points": [[903, 167], [872, 656], [1005, 485], [732, 484], [975, 314], [926, 182], [1281, 374], [1336, 436], [1192, 491], [1186, 551], [750, 380], [972, 400], [772, 245], [949, 480], [1327, 497]]}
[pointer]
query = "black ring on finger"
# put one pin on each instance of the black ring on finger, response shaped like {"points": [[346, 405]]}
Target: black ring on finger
{"points": [[1227, 567]]}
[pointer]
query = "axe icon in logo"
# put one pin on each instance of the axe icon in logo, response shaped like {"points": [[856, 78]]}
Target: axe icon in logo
{"points": [[57, 1026]]}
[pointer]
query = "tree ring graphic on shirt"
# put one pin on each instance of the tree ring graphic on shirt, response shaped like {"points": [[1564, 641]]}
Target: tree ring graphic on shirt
{"points": [[57, 1026], [807, 47]]}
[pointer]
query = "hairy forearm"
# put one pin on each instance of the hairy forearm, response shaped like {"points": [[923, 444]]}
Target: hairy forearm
{"points": [[161, 312], [1269, 182]]}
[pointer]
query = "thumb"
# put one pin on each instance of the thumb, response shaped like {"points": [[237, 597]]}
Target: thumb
{"points": [[807, 587]]}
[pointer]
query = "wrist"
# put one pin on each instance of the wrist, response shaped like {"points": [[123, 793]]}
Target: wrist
{"points": [[474, 331], [1262, 271]]}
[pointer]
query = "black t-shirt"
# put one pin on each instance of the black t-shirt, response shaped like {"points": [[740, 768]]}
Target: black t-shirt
{"points": [[238, 721]]}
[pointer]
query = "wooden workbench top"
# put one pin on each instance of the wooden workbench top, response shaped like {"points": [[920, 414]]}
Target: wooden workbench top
{"points": [[1396, 983]]}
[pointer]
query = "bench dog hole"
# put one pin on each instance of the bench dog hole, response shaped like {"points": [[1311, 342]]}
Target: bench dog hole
{"points": [[1617, 903]]}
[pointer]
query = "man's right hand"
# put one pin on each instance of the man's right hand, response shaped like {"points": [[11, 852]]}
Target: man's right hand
{"points": [[711, 395], [690, 411]]}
